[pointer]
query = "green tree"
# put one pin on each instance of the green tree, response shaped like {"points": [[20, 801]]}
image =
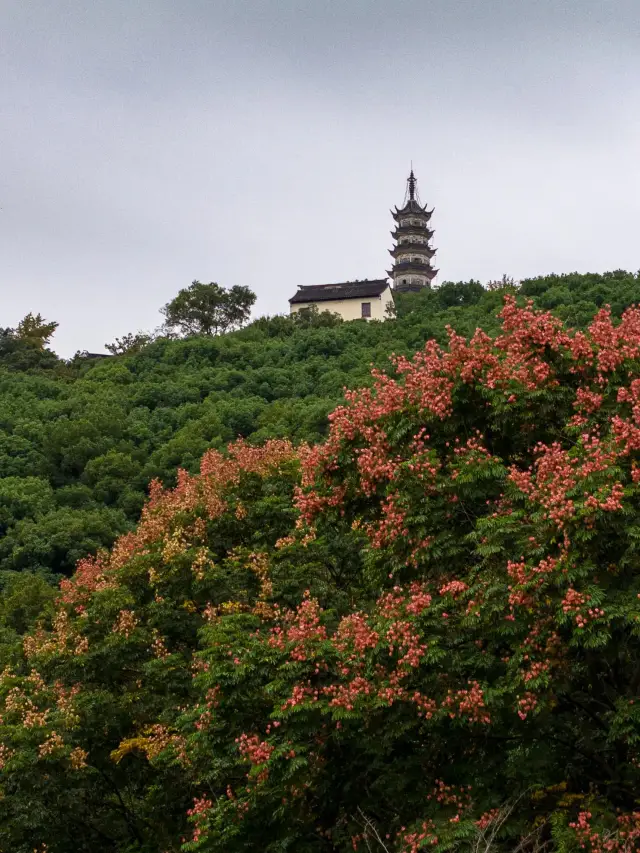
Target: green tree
{"points": [[56, 540], [209, 309], [35, 330], [312, 317], [24, 354], [129, 343], [23, 497]]}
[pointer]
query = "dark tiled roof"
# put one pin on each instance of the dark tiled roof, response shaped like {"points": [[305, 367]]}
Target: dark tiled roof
{"points": [[413, 248], [345, 290], [413, 267], [411, 207]]}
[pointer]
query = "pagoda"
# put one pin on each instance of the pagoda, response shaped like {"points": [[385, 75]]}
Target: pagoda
{"points": [[412, 254]]}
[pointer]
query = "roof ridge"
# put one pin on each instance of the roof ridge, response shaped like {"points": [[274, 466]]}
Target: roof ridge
{"points": [[341, 290]]}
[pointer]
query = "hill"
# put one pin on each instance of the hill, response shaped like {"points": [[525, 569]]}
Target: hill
{"points": [[80, 441]]}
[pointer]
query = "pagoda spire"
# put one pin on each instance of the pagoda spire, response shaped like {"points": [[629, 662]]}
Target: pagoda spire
{"points": [[412, 185], [411, 192], [412, 253]]}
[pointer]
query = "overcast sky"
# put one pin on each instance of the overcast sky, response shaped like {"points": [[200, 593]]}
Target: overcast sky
{"points": [[147, 143]]}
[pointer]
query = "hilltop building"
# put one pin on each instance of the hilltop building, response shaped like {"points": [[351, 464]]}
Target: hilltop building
{"points": [[353, 300], [411, 270]]}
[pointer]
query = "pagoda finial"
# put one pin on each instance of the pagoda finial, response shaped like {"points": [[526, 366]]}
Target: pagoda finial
{"points": [[411, 193], [412, 184]]}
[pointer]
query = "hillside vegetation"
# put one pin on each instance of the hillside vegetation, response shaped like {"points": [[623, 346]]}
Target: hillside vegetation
{"points": [[80, 441], [418, 631]]}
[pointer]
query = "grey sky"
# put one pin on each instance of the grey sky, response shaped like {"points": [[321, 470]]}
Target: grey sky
{"points": [[261, 142]]}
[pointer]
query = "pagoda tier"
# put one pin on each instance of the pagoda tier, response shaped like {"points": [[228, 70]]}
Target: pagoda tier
{"points": [[404, 287], [412, 205], [412, 249], [412, 270], [412, 231], [418, 213]]}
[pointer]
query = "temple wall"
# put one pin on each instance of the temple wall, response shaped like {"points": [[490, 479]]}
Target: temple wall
{"points": [[351, 309]]}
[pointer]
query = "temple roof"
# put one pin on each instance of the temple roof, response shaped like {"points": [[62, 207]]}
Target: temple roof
{"points": [[343, 290], [412, 208], [406, 230]]}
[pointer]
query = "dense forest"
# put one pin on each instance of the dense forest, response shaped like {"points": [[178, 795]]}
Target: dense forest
{"points": [[293, 587]]}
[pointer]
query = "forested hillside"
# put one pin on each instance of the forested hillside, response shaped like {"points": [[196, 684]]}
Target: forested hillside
{"points": [[419, 631], [80, 441]]}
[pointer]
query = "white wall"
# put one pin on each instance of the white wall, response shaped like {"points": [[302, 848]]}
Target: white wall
{"points": [[351, 309]]}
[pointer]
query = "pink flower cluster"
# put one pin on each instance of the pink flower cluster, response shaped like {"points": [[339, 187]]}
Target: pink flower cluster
{"points": [[527, 704], [302, 630], [527, 579], [354, 637], [199, 813], [211, 702], [468, 704], [402, 636], [255, 750], [577, 603], [485, 820], [451, 795], [126, 623], [624, 839], [412, 842], [453, 588]]}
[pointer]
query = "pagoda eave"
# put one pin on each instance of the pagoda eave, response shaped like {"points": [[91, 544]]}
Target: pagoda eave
{"points": [[412, 268], [411, 243], [413, 228], [411, 207], [412, 248]]}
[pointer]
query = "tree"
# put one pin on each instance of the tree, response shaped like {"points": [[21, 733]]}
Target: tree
{"points": [[507, 284], [311, 317], [129, 343], [209, 309], [23, 352], [35, 330]]}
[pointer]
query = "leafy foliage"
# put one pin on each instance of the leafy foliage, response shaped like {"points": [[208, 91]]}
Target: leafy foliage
{"points": [[35, 330], [130, 343], [419, 633], [209, 309]]}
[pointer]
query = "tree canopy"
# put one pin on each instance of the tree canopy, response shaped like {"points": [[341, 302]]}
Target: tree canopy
{"points": [[34, 330], [209, 309]]}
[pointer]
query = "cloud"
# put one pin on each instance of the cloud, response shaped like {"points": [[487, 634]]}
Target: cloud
{"points": [[262, 142]]}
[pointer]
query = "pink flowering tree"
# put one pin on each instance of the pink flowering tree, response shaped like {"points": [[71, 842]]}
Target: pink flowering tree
{"points": [[90, 758], [481, 688]]}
